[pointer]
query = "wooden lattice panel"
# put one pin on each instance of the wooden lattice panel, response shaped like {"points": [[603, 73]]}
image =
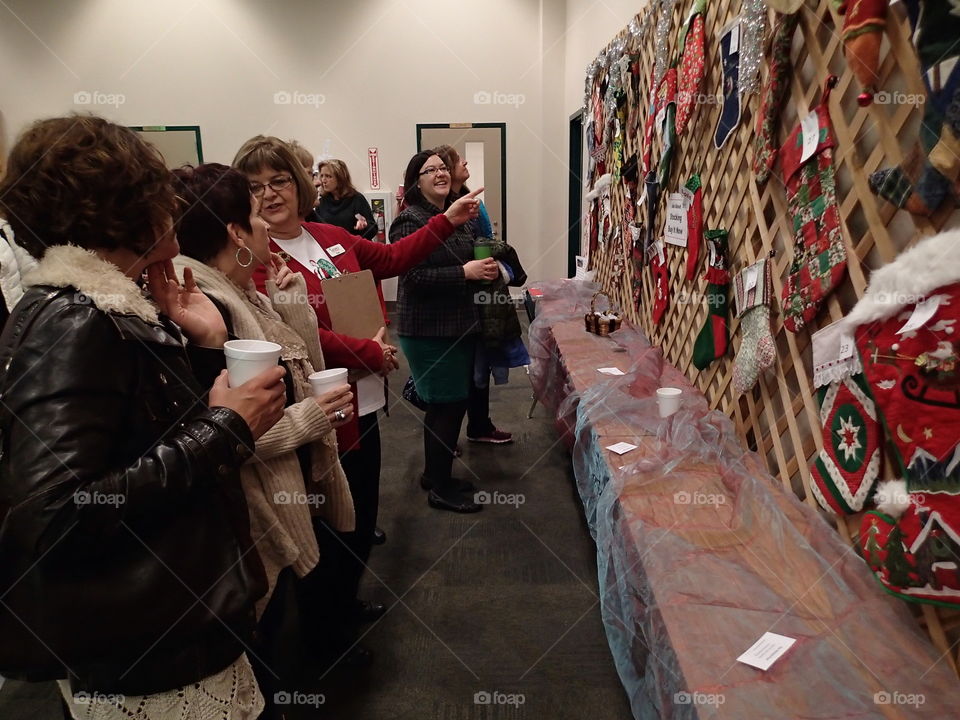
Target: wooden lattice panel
{"points": [[779, 417]]}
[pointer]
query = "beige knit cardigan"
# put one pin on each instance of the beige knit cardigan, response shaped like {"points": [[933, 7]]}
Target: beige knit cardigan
{"points": [[282, 531]]}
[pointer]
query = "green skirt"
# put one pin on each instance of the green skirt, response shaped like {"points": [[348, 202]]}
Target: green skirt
{"points": [[441, 367]]}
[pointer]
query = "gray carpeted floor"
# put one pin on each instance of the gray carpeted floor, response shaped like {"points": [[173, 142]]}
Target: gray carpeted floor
{"points": [[501, 605]]}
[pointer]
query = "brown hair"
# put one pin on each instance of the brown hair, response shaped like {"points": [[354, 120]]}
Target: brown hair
{"points": [[450, 157], [262, 152], [211, 196], [341, 174], [86, 181], [304, 156]]}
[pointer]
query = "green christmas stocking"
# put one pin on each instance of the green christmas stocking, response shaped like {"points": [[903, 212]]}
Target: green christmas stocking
{"points": [[712, 341]]}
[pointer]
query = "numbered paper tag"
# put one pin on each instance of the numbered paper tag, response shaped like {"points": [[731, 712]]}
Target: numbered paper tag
{"points": [[687, 198], [660, 255], [846, 347], [750, 276], [922, 314], [810, 129], [675, 231]]}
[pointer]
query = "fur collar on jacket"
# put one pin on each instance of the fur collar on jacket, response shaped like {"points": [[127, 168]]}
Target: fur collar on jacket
{"points": [[916, 273], [97, 279]]}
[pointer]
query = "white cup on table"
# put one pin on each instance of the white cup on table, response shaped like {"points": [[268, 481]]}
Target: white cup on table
{"points": [[248, 358], [323, 381], [668, 400]]}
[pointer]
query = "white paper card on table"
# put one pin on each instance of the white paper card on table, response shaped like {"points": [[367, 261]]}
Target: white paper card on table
{"points": [[621, 447], [922, 314], [810, 129], [767, 650], [846, 347], [611, 371], [675, 231]]}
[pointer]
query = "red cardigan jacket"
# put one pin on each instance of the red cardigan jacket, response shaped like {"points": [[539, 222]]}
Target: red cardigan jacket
{"points": [[384, 261]]}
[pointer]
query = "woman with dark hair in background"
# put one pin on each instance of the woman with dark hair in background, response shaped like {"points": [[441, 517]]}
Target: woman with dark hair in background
{"points": [[340, 203], [437, 324], [318, 251], [126, 561], [295, 473]]}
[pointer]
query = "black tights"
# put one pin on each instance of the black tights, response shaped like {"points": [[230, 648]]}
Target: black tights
{"points": [[441, 429]]}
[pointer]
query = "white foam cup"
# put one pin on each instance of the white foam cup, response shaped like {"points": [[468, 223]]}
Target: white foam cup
{"points": [[248, 358], [668, 400], [323, 381]]}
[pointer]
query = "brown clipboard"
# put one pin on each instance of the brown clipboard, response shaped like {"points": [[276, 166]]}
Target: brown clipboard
{"points": [[353, 304]]}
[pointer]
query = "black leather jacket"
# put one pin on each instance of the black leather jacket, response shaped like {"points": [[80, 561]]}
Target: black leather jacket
{"points": [[126, 561]]}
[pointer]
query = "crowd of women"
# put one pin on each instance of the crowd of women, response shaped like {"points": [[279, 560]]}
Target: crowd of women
{"points": [[171, 545]]}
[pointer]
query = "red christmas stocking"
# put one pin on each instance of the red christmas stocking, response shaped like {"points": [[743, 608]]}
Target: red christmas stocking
{"points": [[661, 293], [771, 99], [819, 259], [712, 341], [846, 470], [694, 225], [690, 75]]}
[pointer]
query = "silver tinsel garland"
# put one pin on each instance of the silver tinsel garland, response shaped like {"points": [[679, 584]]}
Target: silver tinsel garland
{"points": [[664, 19], [753, 26]]}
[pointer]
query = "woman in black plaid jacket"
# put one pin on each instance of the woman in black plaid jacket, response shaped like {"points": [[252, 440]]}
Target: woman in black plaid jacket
{"points": [[438, 323]]}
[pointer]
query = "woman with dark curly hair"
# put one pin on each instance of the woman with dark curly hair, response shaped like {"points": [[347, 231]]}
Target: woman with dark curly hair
{"points": [[126, 562], [438, 324]]}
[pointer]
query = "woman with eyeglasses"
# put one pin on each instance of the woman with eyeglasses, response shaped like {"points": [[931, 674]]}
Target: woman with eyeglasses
{"points": [[438, 325], [318, 251]]}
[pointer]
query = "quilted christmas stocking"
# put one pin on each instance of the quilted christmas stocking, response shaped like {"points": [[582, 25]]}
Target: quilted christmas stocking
{"points": [[936, 28], [846, 470], [819, 259], [771, 99], [694, 225], [661, 294], [751, 291], [730, 57], [690, 74], [711, 342]]}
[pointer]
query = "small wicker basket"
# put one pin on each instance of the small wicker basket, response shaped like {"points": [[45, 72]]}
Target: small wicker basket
{"points": [[595, 321]]}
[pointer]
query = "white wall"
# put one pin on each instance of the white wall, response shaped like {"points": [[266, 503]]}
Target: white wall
{"points": [[367, 72]]}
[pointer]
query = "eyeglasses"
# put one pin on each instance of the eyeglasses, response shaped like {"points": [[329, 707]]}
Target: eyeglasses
{"points": [[277, 185], [433, 170]]}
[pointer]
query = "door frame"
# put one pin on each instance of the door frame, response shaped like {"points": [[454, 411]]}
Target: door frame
{"points": [[503, 159], [575, 191]]}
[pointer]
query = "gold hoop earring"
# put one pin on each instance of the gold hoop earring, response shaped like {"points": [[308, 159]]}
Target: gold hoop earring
{"points": [[249, 261]]}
